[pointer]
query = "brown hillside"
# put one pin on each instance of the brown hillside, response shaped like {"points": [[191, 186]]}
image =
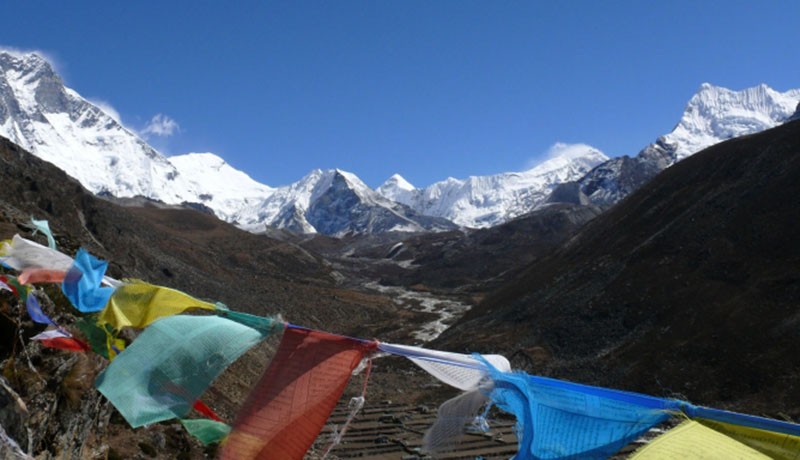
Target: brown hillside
{"points": [[691, 286]]}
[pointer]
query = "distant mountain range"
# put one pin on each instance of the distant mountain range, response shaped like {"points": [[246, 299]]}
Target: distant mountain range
{"points": [[55, 123]]}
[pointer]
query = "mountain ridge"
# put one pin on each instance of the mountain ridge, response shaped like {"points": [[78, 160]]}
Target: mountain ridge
{"points": [[687, 286], [714, 114], [54, 122]]}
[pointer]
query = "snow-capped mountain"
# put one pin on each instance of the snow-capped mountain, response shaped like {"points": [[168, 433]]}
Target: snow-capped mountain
{"points": [[484, 201], [56, 124], [334, 202], [712, 115]]}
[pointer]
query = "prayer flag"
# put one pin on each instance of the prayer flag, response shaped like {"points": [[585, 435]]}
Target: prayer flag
{"points": [[294, 398], [62, 340], [82, 284], [138, 304], [464, 372], [206, 431], [35, 311], [44, 227], [20, 254], [41, 275], [776, 445], [563, 420], [693, 440], [165, 370]]}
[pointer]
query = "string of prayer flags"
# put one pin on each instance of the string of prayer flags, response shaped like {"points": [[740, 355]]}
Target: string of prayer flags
{"points": [[735, 418], [559, 420], [690, 439], [83, 283], [44, 227], [21, 254], [461, 371], [137, 304], [294, 398], [166, 369]]}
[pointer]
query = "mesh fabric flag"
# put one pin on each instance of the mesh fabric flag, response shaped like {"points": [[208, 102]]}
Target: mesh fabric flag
{"points": [[44, 227], [96, 337], [138, 304], [693, 440], [455, 369], [206, 431], [82, 284], [290, 404], [563, 420], [776, 445], [13, 285], [451, 419], [62, 340], [20, 254], [41, 275], [166, 369], [35, 311]]}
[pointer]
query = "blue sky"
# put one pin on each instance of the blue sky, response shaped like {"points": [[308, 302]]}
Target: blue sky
{"points": [[426, 89]]}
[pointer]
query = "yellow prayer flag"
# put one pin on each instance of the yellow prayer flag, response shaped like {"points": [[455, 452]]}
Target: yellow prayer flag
{"points": [[138, 304], [693, 440], [777, 445], [114, 345]]}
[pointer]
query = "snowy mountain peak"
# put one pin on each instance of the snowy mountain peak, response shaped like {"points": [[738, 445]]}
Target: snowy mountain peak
{"points": [[563, 155], [483, 201], [396, 188], [58, 125], [333, 202], [715, 114]]}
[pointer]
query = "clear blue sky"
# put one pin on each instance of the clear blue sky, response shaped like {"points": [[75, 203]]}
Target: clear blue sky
{"points": [[427, 89]]}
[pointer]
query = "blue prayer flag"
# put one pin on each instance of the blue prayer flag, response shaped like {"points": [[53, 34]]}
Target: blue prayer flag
{"points": [[563, 420], [82, 284]]}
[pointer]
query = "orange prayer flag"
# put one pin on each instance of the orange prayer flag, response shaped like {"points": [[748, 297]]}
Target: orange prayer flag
{"points": [[294, 398], [41, 275]]}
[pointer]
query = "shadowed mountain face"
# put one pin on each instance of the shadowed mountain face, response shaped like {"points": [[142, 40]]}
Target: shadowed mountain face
{"points": [[690, 286]]}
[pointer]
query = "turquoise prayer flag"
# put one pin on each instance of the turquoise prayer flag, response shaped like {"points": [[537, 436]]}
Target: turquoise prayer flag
{"points": [[169, 366]]}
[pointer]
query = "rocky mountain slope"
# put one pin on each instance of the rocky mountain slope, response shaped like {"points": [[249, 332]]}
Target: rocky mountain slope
{"points": [[712, 115], [687, 287], [61, 415]]}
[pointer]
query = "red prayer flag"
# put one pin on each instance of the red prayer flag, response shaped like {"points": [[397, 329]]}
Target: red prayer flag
{"points": [[66, 343], [201, 407], [294, 398]]}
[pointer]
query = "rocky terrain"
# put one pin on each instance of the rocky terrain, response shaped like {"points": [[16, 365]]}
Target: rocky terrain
{"points": [[48, 402], [687, 287]]}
